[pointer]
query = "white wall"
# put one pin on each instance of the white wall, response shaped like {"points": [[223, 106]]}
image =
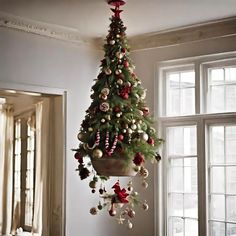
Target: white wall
{"points": [[35, 60], [146, 68]]}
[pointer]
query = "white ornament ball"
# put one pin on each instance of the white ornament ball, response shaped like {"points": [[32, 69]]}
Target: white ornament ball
{"points": [[133, 126], [118, 115], [144, 136], [118, 71], [124, 131], [103, 120], [120, 81], [130, 131], [129, 225], [112, 42]]}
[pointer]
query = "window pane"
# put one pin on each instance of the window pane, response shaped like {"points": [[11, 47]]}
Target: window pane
{"points": [[231, 208], [230, 144], [222, 90], [230, 74], [217, 229], [217, 98], [191, 227], [190, 205], [180, 90], [231, 229], [176, 180], [183, 141], [187, 79], [174, 80], [217, 207], [176, 205], [230, 93], [217, 144], [190, 175], [217, 180], [174, 102], [216, 76], [231, 180], [187, 101], [176, 226]]}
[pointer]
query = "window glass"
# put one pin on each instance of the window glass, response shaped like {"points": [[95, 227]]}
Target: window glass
{"points": [[182, 176], [221, 89], [180, 91], [222, 187]]}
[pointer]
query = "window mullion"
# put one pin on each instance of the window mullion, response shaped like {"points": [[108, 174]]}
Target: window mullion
{"points": [[198, 97], [201, 167]]}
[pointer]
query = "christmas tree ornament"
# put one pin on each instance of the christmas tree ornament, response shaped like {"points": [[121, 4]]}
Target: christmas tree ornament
{"points": [[112, 212], [112, 42], [90, 129], [145, 184], [97, 153], [120, 81], [93, 211], [104, 106], [107, 71], [116, 136], [145, 206], [129, 225], [105, 91], [131, 213]]}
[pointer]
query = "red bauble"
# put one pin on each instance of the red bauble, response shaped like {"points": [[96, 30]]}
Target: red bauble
{"points": [[151, 141], [120, 76], [125, 96], [112, 212], [123, 50], [138, 159], [126, 64], [116, 109], [78, 157], [120, 137]]}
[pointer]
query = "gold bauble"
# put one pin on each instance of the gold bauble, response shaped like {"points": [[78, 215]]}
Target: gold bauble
{"points": [[97, 153]]}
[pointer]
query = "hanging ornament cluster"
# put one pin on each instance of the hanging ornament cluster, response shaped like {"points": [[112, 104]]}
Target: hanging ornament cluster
{"points": [[117, 135]]}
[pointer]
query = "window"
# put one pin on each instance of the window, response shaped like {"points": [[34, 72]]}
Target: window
{"points": [[182, 191], [24, 172], [222, 179], [197, 116]]}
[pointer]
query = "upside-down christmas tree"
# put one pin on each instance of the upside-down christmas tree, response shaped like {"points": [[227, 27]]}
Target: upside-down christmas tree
{"points": [[116, 136]]}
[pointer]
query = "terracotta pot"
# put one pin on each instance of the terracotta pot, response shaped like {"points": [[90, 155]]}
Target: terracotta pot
{"points": [[108, 166]]}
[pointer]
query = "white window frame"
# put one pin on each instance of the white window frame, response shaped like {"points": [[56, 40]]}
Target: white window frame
{"points": [[201, 120]]}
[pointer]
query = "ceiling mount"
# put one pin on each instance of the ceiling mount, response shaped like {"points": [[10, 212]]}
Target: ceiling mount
{"points": [[116, 3]]}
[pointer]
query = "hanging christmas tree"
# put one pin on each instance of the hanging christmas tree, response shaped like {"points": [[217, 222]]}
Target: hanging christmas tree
{"points": [[117, 135]]}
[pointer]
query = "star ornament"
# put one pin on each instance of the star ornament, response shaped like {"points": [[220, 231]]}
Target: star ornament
{"points": [[116, 12], [120, 220]]}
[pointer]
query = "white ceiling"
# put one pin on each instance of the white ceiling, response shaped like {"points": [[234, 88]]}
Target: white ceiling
{"points": [[91, 17]]}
